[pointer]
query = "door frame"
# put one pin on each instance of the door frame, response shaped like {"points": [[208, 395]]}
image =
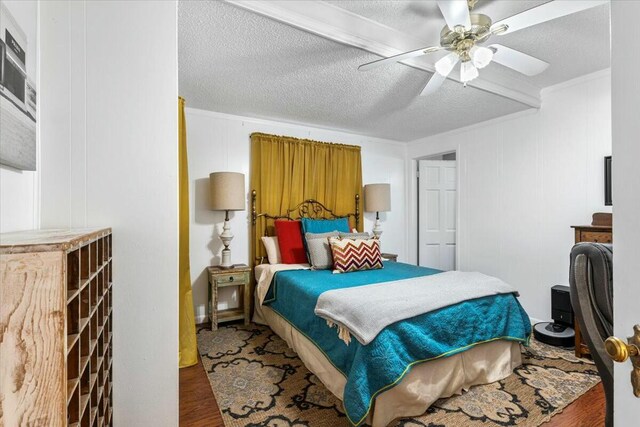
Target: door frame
{"points": [[413, 241]]}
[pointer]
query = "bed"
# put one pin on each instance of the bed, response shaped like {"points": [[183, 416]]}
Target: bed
{"points": [[410, 364]]}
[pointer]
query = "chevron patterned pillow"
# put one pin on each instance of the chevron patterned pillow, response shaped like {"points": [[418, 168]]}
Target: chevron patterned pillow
{"points": [[355, 254]]}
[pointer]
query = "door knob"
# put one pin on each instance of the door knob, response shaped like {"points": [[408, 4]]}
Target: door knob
{"points": [[620, 351]]}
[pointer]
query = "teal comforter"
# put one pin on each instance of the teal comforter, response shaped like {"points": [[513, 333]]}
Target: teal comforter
{"points": [[371, 369]]}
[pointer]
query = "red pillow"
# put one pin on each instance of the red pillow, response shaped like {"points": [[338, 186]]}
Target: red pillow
{"points": [[290, 241]]}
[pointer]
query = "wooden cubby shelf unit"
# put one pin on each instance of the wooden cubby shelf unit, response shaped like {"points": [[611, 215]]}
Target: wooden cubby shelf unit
{"points": [[59, 271]]}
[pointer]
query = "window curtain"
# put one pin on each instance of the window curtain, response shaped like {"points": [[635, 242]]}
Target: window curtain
{"points": [[286, 171], [188, 349]]}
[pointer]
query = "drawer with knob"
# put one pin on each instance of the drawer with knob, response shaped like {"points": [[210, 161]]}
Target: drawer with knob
{"points": [[230, 279], [595, 236]]}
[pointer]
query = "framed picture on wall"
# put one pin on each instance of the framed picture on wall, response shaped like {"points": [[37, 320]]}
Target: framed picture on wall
{"points": [[17, 87], [607, 181]]}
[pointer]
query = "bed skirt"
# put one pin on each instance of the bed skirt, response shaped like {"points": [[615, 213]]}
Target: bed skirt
{"points": [[421, 387]]}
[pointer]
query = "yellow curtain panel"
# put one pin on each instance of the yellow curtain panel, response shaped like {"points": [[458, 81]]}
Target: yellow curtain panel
{"points": [[188, 350], [286, 171]]}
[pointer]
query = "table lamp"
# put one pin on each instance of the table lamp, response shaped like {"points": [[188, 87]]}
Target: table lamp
{"points": [[377, 198], [227, 194]]}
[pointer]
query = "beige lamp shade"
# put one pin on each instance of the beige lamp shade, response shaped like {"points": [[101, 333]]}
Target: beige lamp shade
{"points": [[377, 198], [227, 191]]}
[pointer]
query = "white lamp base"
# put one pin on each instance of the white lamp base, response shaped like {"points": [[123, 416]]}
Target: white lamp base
{"points": [[226, 258], [377, 229], [226, 236]]}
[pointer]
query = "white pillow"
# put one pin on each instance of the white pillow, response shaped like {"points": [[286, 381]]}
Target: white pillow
{"points": [[273, 249]]}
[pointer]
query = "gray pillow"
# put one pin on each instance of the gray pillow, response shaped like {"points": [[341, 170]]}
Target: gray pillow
{"points": [[365, 236], [320, 256]]}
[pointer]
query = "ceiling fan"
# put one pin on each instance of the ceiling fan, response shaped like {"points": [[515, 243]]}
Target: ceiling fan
{"points": [[466, 32]]}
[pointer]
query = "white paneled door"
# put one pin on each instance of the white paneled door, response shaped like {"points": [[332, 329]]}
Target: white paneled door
{"points": [[626, 201], [437, 214]]}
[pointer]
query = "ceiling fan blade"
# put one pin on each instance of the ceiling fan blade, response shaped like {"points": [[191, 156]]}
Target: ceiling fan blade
{"points": [[433, 84], [399, 57], [516, 60], [543, 13], [436, 81], [455, 13]]}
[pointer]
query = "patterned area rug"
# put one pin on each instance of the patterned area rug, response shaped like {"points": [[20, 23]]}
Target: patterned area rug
{"points": [[258, 381]]}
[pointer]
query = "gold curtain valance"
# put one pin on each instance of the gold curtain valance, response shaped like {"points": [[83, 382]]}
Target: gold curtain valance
{"points": [[265, 137], [286, 171]]}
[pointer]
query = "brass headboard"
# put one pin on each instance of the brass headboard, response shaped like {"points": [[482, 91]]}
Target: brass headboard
{"points": [[309, 208]]}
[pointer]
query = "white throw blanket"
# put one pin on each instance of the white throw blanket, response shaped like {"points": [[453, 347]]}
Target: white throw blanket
{"points": [[364, 311]]}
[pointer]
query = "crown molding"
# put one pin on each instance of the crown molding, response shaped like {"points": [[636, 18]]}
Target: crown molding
{"points": [[300, 126], [578, 80], [513, 116]]}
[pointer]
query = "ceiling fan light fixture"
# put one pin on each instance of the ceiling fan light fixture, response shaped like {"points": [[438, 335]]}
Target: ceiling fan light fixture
{"points": [[468, 72], [465, 33], [481, 56], [446, 64]]}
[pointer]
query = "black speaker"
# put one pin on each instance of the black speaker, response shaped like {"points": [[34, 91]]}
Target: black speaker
{"points": [[560, 332], [561, 311]]}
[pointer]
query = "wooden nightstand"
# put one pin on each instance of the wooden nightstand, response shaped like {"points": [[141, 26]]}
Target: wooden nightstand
{"points": [[222, 277], [389, 257]]}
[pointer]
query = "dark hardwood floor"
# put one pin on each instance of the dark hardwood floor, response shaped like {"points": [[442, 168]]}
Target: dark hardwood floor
{"points": [[586, 411], [198, 407]]}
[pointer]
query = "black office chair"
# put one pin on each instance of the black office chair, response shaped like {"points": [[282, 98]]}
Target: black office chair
{"points": [[591, 281]]}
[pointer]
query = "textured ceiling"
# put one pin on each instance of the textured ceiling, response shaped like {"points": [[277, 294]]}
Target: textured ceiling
{"points": [[234, 61]]}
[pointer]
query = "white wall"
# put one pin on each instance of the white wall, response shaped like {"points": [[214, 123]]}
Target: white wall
{"points": [[63, 187], [220, 142], [19, 189], [132, 168], [18, 200], [626, 197], [55, 113], [523, 181], [109, 158]]}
